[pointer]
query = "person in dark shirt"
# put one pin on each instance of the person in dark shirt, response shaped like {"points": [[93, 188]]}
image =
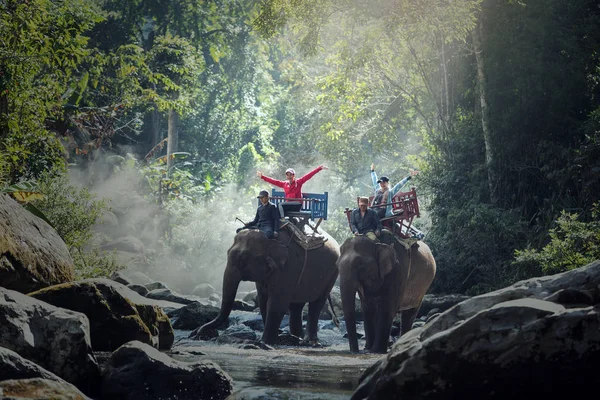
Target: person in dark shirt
{"points": [[267, 217], [365, 221]]}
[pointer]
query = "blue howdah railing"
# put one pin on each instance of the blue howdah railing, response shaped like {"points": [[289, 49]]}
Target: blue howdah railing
{"points": [[313, 203]]}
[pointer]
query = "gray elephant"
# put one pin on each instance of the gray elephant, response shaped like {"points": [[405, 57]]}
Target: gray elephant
{"points": [[388, 278], [287, 277]]}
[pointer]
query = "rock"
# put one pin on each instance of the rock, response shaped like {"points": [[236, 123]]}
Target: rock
{"points": [[55, 338], [129, 259], [240, 295], [505, 344], [155, 285], [238, 332], [130, 244], [169, 295], [194, 315], [203, 290], [16, 371], [336, 300], [118, 276], [439, 302], [287, 339], [256, 324], [117, 314], [139, 289], [138, 371], [572, 298], [584, 279], [251, 298], [241, 305], [136, 277], [38, 388], [13, 366], [32, 255]]}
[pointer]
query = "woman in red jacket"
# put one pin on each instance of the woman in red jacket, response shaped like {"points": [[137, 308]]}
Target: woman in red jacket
{"points": [[292, 188]]}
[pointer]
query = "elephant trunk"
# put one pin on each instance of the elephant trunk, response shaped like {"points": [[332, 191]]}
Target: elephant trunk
{"points": [[348, 288], [231, 281]]}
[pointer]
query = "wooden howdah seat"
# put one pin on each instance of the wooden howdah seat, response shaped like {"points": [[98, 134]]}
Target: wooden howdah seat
{"points": [[405, 207], [314, 207]]}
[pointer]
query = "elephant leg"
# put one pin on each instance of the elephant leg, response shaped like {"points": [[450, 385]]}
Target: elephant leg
{"points": [[262, 304], [385, 318], [314, 310], [312, 322], [369, 311], [296, 319], [408, 318], [272, 325]]}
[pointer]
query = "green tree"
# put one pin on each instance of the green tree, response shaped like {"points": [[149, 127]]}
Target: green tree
{"points": [[42, 46]]}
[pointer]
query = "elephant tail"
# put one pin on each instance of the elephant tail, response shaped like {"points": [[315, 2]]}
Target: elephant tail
{"points": [[335, 319]]}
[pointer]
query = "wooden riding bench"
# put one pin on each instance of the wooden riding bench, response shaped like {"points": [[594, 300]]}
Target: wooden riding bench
{"points": [[405, 207], [314, 206]]}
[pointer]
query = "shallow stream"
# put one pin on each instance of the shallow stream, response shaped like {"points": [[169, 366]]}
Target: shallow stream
{"points": [[327, 373]]}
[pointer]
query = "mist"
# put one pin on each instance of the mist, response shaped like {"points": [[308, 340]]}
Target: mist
{"points": [[183, 243]]}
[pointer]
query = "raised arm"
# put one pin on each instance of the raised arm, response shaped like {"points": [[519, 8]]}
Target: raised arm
{"points": [[272, 181], [374, 177], [309, 175], [400, 184]]}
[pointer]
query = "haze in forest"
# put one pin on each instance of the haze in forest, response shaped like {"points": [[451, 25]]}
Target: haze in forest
{"points": [[496, 103]]}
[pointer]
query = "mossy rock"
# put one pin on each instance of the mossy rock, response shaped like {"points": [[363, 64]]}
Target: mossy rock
{"points": [[117, 314]]}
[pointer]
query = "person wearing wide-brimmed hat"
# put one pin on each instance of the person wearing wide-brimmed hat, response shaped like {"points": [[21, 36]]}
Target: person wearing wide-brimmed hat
{"points": [[267, 217], [383, 193], [292, 187]]}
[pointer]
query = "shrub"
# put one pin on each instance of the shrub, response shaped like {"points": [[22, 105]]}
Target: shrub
{"points": [[73, 212], [573, 243], [473, 247]]}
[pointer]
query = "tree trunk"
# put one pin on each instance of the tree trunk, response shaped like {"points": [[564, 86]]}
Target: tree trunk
{"points": [[155, 136], [490, 151], [172, 139]]}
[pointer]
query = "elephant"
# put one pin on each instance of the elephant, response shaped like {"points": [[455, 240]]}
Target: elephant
{"points": [[286, 275], [388, 278]]}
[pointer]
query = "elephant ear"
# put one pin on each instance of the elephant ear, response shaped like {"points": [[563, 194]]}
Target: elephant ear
{"points": [[277, 255], [386, 259]]}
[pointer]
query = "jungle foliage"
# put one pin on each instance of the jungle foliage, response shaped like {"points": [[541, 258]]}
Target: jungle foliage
{"points": [[496, 102]]}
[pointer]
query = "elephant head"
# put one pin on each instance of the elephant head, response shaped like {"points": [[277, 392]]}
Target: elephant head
{"points": [[363, 265], [252, 257]]}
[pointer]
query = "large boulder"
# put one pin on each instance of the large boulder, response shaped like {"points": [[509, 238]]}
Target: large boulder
{"points": [[194, 315], [127, 276], [55, 338], [505, 344], [138, 371], [439, 303], [13, 366], [37, 388], [117, 314], [22, 379], [203, 290], [129, 244], [169, 295], [32, 255]]}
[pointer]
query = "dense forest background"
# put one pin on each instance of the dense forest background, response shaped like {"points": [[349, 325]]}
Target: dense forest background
{"points": [[496, 102]]}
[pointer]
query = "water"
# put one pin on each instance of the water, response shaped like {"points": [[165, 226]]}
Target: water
{"points": [[305, 373]]}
